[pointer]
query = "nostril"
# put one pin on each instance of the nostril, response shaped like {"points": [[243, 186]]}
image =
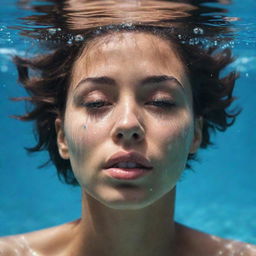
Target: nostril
{"points": [[136, 136], [119, 135]]}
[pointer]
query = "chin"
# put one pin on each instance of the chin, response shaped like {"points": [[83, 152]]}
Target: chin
{"points": [[128, 197]]}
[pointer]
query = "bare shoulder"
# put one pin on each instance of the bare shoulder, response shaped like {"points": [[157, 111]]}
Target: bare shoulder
{"points": [[13, 245], [37, 243], [5, 246], [202, 244]]}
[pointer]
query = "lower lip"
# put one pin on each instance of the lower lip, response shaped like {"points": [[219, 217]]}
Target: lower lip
{"points": [[127, 174]]}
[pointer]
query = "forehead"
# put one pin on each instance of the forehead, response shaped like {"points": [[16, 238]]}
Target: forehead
{"points": [[133, 53]]}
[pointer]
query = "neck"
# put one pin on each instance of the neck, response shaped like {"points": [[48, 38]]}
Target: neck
{"points": [[106, 231]]}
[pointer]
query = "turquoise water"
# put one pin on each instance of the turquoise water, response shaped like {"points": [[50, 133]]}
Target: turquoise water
{"points": [[218, 198]]}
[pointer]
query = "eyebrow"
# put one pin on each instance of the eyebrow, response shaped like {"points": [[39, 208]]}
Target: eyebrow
{"points": [[147, 80]]}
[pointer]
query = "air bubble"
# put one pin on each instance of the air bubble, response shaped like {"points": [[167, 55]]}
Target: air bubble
{"points": [[52, 31], [198, 31], [79, 38], [179, 36]]}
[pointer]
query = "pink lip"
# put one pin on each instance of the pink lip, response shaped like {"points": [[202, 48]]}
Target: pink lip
{"points": [[126, 173], [128, 157]]}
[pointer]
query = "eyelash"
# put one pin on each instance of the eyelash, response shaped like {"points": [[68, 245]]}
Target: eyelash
{"points": [[163, 104]]}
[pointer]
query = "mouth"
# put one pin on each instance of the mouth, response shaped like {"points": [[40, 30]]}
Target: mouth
{"points": [[128, 160], [127, 173], [127, 166]]}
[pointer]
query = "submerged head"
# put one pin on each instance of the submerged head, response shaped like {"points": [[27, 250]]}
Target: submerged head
{"points": [[137, 90], [145, 105]]}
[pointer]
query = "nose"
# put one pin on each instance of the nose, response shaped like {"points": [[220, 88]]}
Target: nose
{"points": [[128, 128]]}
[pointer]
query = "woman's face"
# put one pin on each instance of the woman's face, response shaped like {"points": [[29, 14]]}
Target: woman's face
{"points": [[129, 72]]}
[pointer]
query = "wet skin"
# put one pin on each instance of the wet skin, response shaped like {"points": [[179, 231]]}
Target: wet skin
{"points": [[129, 73]]}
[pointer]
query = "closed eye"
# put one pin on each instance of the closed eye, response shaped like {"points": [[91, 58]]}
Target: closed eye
{"points": [[95, 104], [162, 103]]}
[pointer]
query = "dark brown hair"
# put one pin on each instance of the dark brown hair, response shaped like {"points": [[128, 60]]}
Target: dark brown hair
{"points": [[212, 95]]}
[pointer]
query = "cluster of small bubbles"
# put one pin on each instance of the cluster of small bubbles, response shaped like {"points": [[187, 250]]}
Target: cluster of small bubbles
{"points": [[53, 31], [79, 38], [110, 26], [5, 35], [194, 41], [198, 31], [127, 25]]}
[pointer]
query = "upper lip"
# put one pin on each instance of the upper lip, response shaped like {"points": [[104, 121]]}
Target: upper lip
{"points": [[128, 157]]}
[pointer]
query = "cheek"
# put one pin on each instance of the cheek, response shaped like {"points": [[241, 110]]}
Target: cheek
{"points": [[75, 136], [82, 133], [178, 138]]}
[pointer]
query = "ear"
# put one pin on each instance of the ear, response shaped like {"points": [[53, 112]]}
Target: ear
{"points": [[61, 140], [198, 127]]}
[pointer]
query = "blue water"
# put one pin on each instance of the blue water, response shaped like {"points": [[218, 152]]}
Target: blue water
{"points": [[218, 198]]}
